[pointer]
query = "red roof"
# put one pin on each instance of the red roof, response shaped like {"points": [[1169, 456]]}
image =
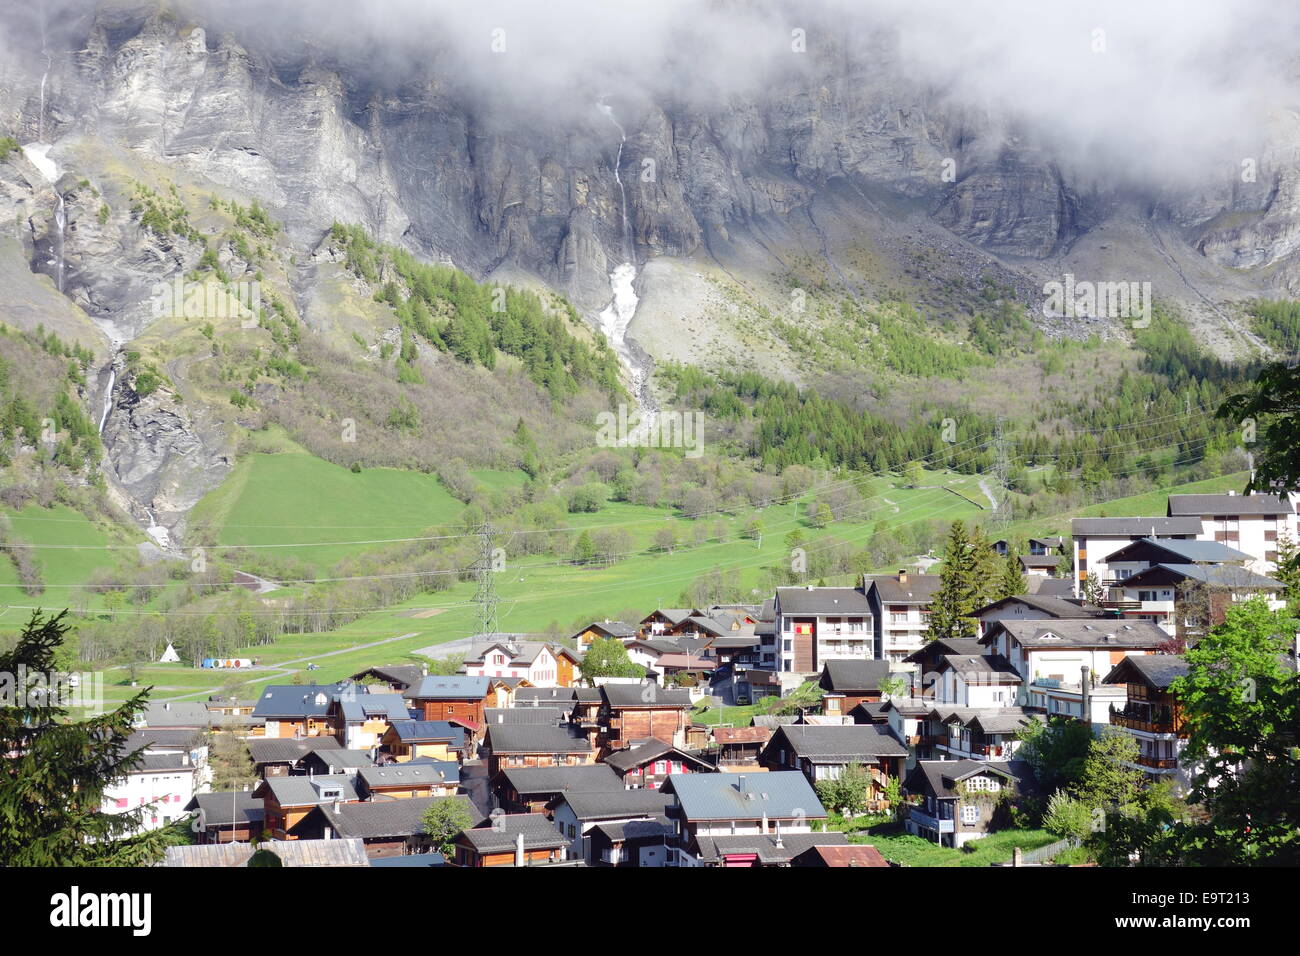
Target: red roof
{"points": [[852, 855]]}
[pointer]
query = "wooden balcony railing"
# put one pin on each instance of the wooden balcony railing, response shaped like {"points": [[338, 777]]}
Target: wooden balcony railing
{"points": [[1158, 763]]}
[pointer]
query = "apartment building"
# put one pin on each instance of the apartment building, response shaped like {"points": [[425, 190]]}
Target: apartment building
{"points": [[814, 625], [900, 609], [1250, 523]]}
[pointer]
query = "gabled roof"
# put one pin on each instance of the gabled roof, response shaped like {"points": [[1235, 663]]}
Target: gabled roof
{"points": [[177, 713], [403, 675], [288, 749], [939, 778], [645, 695], [619, 831], [644, 751], [1090, 634], [534, 739], [615, 629], [223, 808], [499, 835], [1048, 606], [309, 791], [764, 845], [847, 743], [339, 760], [1141, 527], [613, 804], [411, 774], [812, 600], [429, 731], [596, 776], [1215, 575], [360, 707], [942, 646], [1158, 671], [674, 615], [529, 696], [292, 701], [523, 715], [987, 669], [453, 687], [843, 856], [1229, 505], [845, 676], [348, 852], [742, 735], [786, 794], [1178, 551], [522, 653], [370, 821], [917, 589]]}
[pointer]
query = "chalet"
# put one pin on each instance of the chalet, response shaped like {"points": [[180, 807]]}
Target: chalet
{"points": [[630, 843], [530, 789], [647, 763], [1051, 656], [1040, 565], [907, 719], [385, 827], [631, 712], [460, 697], [1054, 545], [1162, 594], [845, 684], [956, 733], [502, 690], [226, 816], [331, 760], [605, 630], [541, 663], [277, 757], [900, 612], [547, 716], [685, 670], [822, 753], [738, 819], [834, 855], [436, 739], [393, 678], [576, 812], [531, 745], [1152, 714], [814, 625], [737, 748], [926, 660], [663, 619], [586, 716], [561, 697], [956, 801], [361, 720], [1036, 607], [415, 778], [732, 651], [291, 710], [1251, 523], [522, 839], [698, 626], [1096, 539], [286, 800], [976, 680]]}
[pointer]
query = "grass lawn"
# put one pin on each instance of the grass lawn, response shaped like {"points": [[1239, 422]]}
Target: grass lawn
{"points": [[897, 846]]}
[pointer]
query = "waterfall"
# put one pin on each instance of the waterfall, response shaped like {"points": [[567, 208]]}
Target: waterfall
{"points": [[38, 154], [159, 534], [108, 397]]}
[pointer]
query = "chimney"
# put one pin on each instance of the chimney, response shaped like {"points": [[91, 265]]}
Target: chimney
{"points": [[902, 575], [1085, 682], [740, 783], [1015, 857], [338, 804], [519, 849], [780, 844], [764, 830]]}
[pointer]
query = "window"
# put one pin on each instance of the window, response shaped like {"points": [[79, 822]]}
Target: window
{"points": [[970, 814]]}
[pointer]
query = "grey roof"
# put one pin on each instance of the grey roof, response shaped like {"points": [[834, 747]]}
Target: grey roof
{"points": [[357, 707], [338, 759], [402, 674], [1181, 551], [308, 791], [523, 715], [1229, 505], [651, 748], [187, 738], [714, 848], [178, 713], [942, 646], [552, 780], [827, 743], [369, 821], [614, 804], [298, 700], [222, 808], [526, 696], [809, 600], [1154, 670], [991, 720], [982, 668], [410, 861], [917, 589], [1040, 560], [1135, 527], [1053, 587], [409, 774], [498, 836], [675, 615], [1097, 633], [148, 763], [939, 777], [348, 852], [772, 721], [841, 676], [645, 695], [612, 628], [534, 739], [521, 652], [619, 831], [428, 731], [736, 796], [288, 749], [453, 687], [1218, 575], [1048, 606]]}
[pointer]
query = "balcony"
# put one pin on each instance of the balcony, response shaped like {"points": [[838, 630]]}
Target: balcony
{"points": [[923, 819], [1158, 763], [1145, 721]]}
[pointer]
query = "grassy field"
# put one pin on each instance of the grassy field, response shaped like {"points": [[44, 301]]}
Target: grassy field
{"points": [[899, 847]]}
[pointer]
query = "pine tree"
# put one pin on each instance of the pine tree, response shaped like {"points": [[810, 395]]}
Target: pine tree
{"points": [[961, 589], [1013, 580], [55, 771]]}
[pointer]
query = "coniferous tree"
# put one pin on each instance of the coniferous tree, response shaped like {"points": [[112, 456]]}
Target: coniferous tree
{"points": [[1013, 579], [55, 771], [962, 586]]}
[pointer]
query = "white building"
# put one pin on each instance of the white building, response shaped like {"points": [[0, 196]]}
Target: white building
{"points": [[538, 662], [1096, 539], [163, 783], [1250, 523], [900, 608], [815, 625]]}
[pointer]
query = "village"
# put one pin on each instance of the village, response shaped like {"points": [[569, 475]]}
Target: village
{"points": [[726, 736]]}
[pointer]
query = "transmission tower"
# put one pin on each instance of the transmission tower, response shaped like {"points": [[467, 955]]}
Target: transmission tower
{"points": [[1001, 473], [485, 598]]}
